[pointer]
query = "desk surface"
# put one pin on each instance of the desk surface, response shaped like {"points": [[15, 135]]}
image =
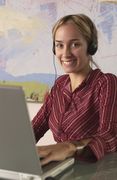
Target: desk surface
{"points": [[105, 169]]}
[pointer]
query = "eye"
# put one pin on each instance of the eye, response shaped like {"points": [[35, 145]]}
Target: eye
{"points": [[59, 45], [75, 44]]}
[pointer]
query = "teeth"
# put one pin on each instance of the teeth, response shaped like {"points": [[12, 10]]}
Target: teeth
{"points": [[66, 62]]}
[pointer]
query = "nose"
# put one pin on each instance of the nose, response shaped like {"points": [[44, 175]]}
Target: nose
{"points": [[66, 51]]}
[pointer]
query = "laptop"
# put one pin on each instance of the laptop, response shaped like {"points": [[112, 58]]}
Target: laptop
{"points": [[18, 154]]}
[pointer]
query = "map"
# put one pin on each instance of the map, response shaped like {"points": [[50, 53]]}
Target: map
{"points": [[26, 38]]}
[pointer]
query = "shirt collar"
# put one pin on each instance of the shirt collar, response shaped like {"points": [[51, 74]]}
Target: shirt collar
{"points": [[87, 81]]}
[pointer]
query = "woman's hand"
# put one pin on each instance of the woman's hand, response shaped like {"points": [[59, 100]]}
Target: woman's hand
{"points": [[56, 152]]}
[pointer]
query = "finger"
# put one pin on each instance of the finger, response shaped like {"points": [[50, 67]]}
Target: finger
{"points": [[47, 159], [43, 151]]}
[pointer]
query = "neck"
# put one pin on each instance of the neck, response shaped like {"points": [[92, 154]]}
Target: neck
{"points": [[78, 78]]}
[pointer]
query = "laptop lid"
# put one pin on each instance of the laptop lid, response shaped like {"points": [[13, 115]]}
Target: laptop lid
{"points": [[15, 130], [17, 143]]}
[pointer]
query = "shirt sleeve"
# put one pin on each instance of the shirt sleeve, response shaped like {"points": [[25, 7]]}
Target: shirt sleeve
{"points": [[40, 121], [105, 140], [86, 155]]}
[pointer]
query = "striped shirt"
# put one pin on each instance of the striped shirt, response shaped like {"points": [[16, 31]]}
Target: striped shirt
{"points": [[88, 112]]}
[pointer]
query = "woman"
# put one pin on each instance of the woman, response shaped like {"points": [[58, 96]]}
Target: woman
{"points": [[81, 108]]}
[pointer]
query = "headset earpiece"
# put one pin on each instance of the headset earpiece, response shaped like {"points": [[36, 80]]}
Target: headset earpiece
{"points": [[92, 48], [53, 49]]}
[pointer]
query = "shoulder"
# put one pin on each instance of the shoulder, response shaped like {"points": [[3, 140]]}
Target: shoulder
{"points": [[108, 79], [107, 88], [103, 81], [106, 83], [59, 83], [98, 76], [61, 80]]}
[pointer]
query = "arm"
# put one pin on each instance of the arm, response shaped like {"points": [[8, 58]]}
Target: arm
{"points": [[40, 121], [105, 140]]}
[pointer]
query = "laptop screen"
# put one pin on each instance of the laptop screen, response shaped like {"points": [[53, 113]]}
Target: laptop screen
{"points": [[17, 143]]}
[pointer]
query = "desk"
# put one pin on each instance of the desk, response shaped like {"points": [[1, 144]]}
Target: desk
{"points": [[105, 169]]}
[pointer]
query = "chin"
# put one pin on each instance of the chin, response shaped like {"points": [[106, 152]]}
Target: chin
{"points": [[67, 71]]}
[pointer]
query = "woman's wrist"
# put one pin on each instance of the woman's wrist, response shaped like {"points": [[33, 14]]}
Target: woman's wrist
{"points": [[71, 148], [79, 145], [76, 146]]}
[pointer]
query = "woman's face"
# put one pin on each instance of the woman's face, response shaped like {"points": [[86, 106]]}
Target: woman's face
{"points": [[71, 49]]}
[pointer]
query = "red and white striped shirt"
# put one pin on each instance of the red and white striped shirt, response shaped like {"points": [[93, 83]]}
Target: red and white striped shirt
{"points": [[88, 112]]}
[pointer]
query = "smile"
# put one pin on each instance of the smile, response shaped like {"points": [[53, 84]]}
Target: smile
{"points": [[68, 62]]}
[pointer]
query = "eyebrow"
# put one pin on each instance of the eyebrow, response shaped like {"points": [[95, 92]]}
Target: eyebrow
{"points": [[70, 40]]}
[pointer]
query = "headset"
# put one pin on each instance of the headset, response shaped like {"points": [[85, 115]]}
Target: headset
{"points": [[92, 48]]}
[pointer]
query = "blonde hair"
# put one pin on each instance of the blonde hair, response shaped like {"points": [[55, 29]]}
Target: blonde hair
{"points": [[85, 26]]}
